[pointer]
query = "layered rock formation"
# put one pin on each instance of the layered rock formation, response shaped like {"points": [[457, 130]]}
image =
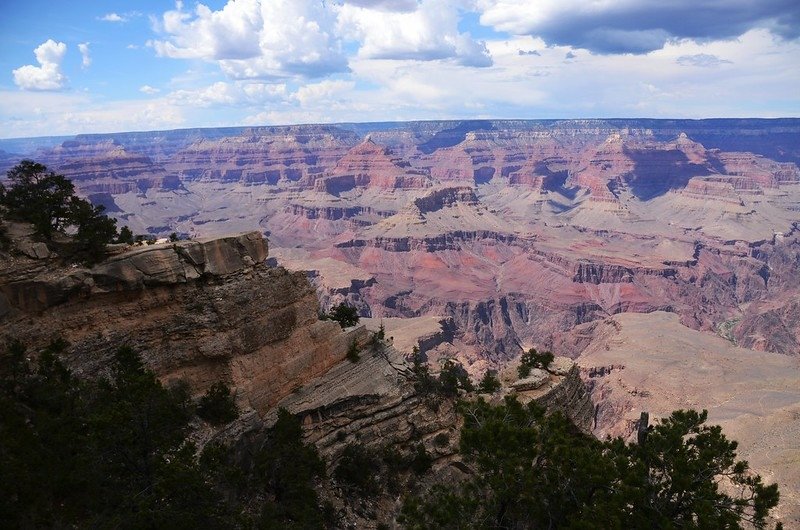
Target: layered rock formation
{"points": [[516, 230], [200, 311]]}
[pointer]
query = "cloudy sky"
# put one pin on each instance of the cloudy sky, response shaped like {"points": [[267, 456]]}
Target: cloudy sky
{"points": [[102, 66]]}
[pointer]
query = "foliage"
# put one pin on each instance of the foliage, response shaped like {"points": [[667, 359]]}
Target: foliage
{"points": [[421, 461], [344, 314], [48, 201], [5, 241], [453, 377], [534, 470], [675, 477], [489, 384], [217, 406], [533, 359], [114, 453], [286, 469], [378, 337], [39, 197], [94, 229], [424, 383], [106, 454], [125, 236], [173, 237], [352, 352], [358, 470]]}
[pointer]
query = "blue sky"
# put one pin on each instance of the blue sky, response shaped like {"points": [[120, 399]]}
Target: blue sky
{"points": [[91, 66]]}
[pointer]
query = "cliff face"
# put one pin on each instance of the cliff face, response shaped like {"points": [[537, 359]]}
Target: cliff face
{"points": [[201, 311]]}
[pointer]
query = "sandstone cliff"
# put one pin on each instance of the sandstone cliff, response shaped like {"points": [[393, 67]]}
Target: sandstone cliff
{"points": [[202, 311]]}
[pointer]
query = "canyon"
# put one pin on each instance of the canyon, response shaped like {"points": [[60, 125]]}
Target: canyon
{"points": [[653, 252]]}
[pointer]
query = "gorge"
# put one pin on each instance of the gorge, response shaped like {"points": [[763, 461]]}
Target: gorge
{"points": [[649, 251]]}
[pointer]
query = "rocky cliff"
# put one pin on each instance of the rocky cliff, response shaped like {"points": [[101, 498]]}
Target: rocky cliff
{"points": [[201, 311]]}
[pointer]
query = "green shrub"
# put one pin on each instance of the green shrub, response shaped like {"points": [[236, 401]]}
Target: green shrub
{"points": [[537, 470], [533, 359], [452, 377], [125, 236], [217, 406], [358, 469], [489, 384], [353, 352], [344, 314], [5, 241], [48, 201], [421, 461]]}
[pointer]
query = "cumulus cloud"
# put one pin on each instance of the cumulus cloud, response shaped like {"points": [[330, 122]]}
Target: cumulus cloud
{"points": [[149, 90], [46, 76], [256, 38], [529, 52], [86, 58], [703, 60], [429, 32], [623, 26]]}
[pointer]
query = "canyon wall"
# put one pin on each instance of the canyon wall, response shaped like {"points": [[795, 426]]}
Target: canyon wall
{"points": [[199, 311]]}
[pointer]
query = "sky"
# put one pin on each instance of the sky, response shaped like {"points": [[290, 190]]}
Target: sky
{"points": [[79, 66]]}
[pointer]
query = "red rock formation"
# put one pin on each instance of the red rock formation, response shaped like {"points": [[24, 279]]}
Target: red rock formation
{"points": [[369, 165], [107, 167], [260, 156], [201, 311]]}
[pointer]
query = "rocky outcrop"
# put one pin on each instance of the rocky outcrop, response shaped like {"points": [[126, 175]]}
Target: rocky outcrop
{"points": [[199, 311], [448, 241], [335, 213], [443, 197], [372, 401], [369, 165]]}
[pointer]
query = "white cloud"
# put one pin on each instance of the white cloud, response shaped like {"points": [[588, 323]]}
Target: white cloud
{"points": [[147, 89], [385, 5], [86, 58], [49, 113], [116, 17], [112, 17], [221, 93], [324, 92], [256, 38], [429, 32], [46, 76]]}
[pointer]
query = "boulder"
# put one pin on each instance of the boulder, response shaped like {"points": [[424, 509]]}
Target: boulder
{"points": [[536, 379]]}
